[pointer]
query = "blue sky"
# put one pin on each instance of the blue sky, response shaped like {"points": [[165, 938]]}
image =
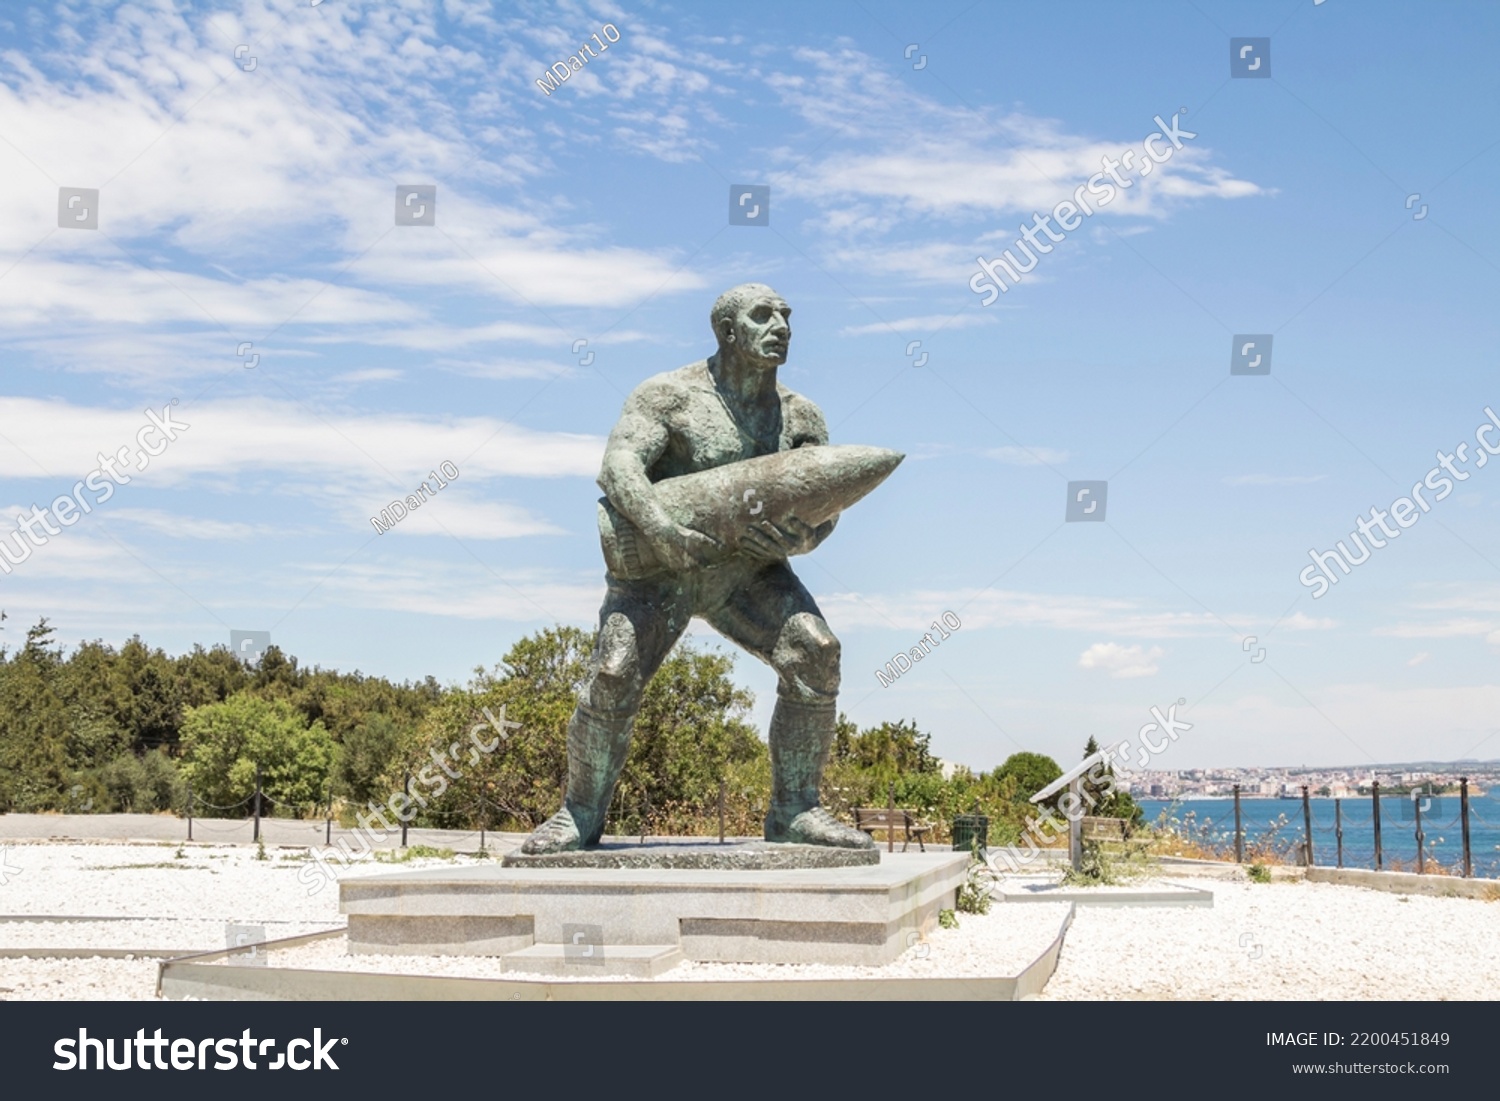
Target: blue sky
{"points": [[246, 196]]}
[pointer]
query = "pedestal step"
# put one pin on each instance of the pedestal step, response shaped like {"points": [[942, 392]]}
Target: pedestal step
{"points": [[638, 961]]}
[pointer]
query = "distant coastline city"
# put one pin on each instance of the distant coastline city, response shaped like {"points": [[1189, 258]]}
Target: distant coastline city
{"points": [[1286, 782]]}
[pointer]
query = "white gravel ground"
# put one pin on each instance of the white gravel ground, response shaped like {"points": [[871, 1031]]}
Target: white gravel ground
{"points": [[1294, 940], [90, 980], [220, 883], [1297, 941]]}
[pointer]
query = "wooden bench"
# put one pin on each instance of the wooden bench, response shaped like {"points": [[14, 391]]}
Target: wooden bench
{"points": [[1104, 829], [870, 819]]}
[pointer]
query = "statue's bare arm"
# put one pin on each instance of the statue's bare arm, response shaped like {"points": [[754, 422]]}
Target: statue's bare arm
{"points": [[638, 440]]}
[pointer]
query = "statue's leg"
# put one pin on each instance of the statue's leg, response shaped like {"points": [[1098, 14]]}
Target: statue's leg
{"points": [[775, 618], [638, 626]]}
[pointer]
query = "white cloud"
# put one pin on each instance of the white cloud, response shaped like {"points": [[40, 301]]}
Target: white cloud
{"points": [[1001, 608], [1027, 456], [926, 323], [958, 161], [1273, 479], [1301, 621], [468, 516], [389, 452], [1452, 628], [190, 527], [1122, 661]]}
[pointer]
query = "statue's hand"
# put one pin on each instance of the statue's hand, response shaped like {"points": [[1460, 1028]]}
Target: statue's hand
{"points": [[682, 548], [768, 543]]}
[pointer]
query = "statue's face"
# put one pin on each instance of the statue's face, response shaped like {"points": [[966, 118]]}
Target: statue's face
{"points": [[763, 331]]}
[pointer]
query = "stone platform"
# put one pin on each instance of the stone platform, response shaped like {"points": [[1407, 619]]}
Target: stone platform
{"points": [[546, 918], [749, 856]]}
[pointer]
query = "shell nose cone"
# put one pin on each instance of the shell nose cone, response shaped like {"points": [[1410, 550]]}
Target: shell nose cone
{"points": [[877, 461], [862, 468]]}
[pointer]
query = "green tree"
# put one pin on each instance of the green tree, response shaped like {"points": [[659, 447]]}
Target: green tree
{"points": [[689, 731], [34, 770], [1102, 798], [224, 742], [1031, 772], [369, 753]]}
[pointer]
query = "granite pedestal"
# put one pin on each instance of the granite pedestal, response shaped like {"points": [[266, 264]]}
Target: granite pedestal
{"points": [[668, 903]]}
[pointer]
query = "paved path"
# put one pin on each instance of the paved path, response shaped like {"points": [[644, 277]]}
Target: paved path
{"points": [[227, 831]]}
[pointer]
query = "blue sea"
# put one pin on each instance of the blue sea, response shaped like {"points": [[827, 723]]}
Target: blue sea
{"points": [[1440, 826]]}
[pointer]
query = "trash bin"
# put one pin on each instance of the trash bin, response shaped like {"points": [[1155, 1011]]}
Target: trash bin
{"points": [[969, 830]]}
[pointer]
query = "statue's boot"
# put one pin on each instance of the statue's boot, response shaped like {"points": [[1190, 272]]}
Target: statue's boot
{"points": [[597, 745], [801, 735]]}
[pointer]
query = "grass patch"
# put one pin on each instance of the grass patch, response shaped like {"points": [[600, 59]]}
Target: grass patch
{"points": [[974, 895], [1100, 866], [415, 852]]}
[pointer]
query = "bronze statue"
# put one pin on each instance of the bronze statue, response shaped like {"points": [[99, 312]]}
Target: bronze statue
{"points": [[718, 445]]}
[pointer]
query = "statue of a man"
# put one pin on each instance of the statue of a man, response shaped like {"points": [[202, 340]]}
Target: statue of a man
{"points": [[721, 410]]}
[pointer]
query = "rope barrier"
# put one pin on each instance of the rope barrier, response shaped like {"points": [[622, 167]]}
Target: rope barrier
{"points": [[198, 800]]}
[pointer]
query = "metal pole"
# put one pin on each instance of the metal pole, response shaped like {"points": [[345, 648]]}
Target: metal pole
{"points": [[406, 791], [484, 813], [721, 812], [1421, 841], [257, 804], [1075, 825], [1307, 825], [1463, 806], [1338, 828], [1239, 831], [1375, 818], [190, 812], [890, 821]]}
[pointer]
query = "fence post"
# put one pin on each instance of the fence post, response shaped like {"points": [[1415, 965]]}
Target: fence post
{"points": [[1416, 805], [721, 812], [1307, 826], [1375, 819], [1338, 828], [890, 821], [190, 813], [1239, 831], [257, 804], [406, 791], [1075, 825], [1463, 808]]}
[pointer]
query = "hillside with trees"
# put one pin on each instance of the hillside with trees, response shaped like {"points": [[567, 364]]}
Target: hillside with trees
{"points": [[133, 729]]}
